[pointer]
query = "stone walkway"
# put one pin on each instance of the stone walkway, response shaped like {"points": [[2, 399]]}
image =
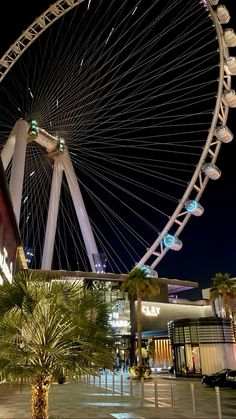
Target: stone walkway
{"points": [[83, 401]]}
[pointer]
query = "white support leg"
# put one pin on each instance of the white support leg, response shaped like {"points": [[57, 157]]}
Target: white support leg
{"points": [[80, 209], [52, 215], [18, 166], [8, 149]]}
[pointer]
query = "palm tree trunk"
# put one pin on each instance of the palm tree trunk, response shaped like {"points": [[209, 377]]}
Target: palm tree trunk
{"points": [[213, 307], [225, 305], [139, 330], [40, 399], [132, 331]]}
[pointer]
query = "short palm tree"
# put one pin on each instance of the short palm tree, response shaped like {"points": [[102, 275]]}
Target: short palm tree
{"points": [[222, 286], [50, 330], [139, 285]]}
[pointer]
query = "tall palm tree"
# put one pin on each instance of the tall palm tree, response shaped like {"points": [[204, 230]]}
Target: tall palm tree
{"points": [[49, 329], [222, 286], [139, 285]]}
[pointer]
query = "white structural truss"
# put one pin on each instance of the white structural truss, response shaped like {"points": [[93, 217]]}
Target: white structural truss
{"points": [[15, 149]]}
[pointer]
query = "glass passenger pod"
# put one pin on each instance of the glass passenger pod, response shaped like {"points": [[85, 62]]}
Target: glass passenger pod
{"points": [[194, 208], [149, 271], [223, 14], [231, 65], [230, 97], [211, 170], [230, 37], [224, 134], [172, 242]]}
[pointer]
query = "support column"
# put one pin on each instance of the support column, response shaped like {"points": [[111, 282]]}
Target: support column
{"points": [[80, 209], [52, 215], [8, 149], [18, 166]]}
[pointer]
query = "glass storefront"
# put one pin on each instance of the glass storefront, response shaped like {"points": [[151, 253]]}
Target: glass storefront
{"points": [[202, 345]]}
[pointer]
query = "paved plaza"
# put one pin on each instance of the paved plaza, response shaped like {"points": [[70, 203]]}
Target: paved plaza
{"points": [[102, 399]]}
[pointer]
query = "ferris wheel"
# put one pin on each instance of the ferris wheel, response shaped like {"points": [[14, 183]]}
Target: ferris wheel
{"points": [[113, 119]]}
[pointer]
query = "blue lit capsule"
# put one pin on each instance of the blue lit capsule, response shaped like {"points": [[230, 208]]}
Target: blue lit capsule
{"points": [[194, 207], [172, 242]]}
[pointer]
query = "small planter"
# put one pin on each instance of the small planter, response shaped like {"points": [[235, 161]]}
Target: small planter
{"points": [[139, 372], [61, 379]]}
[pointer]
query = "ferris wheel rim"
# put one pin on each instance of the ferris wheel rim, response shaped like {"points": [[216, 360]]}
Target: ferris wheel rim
{"points": [[157, 249], [33, 32], [58, 10]]}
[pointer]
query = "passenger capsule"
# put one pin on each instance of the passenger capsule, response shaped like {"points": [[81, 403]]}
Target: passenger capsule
{"points": [[194, 207], [231, 64], [223, 14], [230, 37], [148, 271], [172, 242], [224, 134], [211, 170], [230, 98]]}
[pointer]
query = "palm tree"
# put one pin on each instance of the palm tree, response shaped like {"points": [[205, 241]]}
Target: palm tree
{"points": [[49, 330], [139, 285], [222, 286]]}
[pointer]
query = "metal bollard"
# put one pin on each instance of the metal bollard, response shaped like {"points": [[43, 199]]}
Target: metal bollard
{"points": [[142, 391], [193, 399], [121, 385], [106, 380], [99, 380], [156, 391], [217, 389], [94, 382], [131, 387], [172, 395], [113, 383]]}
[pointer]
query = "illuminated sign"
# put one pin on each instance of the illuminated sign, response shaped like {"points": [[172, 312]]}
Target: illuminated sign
{"points": [[119, 323], [150, 310]]}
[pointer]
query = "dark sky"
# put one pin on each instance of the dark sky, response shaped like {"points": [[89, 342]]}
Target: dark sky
{"points": [[209, 242]]}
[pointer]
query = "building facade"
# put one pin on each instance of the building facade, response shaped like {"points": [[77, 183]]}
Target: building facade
{"points": [[11, 251]]}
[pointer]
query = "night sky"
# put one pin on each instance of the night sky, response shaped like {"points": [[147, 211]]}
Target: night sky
{"points": [[209, 241]]}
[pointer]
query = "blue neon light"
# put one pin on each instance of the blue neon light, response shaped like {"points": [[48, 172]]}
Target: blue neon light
{"points": [[191, 206], [169, 240]]}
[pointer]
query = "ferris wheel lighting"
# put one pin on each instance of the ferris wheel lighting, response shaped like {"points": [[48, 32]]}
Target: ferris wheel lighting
{"points": [[223, 14], [194, 208], [230, 98], [211, 170], [31, 94], [230, 37], [89, 2], [61, 144], [172, 242], [231, 65], [224, 134], [33, 129]]}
